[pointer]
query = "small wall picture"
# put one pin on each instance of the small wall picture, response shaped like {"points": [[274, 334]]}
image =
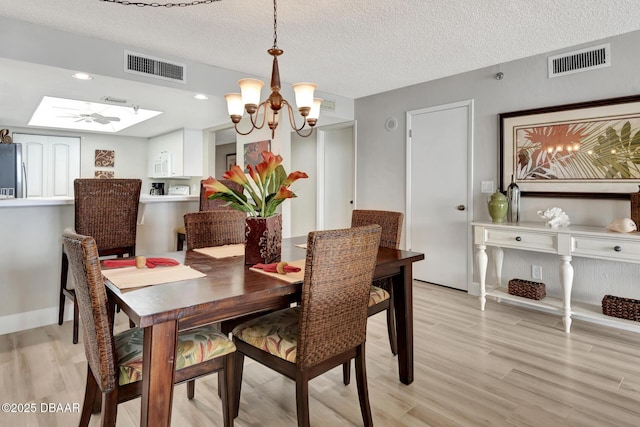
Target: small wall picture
{"points": [[231, 160], [253, 152], [104, 174], [105, 158]]}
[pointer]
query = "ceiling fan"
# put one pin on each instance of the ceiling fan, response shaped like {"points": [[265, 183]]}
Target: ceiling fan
{"points": [[88, 116], [95, 117]]}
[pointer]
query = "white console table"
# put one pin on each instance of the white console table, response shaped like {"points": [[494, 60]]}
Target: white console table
{"points": [[581, 241]]}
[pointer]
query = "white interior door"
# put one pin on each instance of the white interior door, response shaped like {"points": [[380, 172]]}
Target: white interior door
{"points": [[439, 152], [336, 177]]}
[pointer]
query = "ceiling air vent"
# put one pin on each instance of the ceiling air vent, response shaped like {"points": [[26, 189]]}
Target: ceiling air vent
{"points": [[151, 66], [580, 60]]}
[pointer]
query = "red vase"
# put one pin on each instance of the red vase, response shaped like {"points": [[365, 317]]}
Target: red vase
{"points": [[263, 240]]}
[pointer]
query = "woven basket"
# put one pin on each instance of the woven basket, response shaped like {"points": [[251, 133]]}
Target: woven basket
{"points": [[624, 308], [635, 207], [527, 289]]}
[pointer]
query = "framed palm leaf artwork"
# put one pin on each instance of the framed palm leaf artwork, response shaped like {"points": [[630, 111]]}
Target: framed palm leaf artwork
{"points": [[587, 150]]}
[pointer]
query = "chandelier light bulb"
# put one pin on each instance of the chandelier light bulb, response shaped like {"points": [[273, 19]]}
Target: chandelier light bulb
{"points": [[235, 107], [250, 89], [304, 96]]}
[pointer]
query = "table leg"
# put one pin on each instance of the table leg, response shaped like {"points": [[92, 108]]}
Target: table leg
{"points": [[498, 260], [403, 303], [566, 280], [482, 261], [158, 371]]}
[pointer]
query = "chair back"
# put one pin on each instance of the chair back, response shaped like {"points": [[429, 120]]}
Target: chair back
{"points": [[107, 210], [391, 223], [338, 272], [91, 297], [213, 204], [214, 228]]}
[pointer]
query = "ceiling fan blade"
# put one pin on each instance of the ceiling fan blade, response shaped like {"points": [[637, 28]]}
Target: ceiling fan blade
{"points": [[98, 116], [101, 121]]}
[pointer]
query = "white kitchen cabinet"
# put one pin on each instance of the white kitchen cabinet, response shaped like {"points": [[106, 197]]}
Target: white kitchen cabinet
{"points": [[51, 164], [176, 154]]}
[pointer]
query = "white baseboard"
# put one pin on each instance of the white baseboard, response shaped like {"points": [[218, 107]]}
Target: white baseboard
{"points": [[33, 319]]}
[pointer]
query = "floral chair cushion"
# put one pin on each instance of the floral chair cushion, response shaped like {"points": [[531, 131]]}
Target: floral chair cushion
{"points": [[194, 346], [377, 295], [275, 333]]}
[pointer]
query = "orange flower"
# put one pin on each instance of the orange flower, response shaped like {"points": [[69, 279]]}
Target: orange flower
{"points": [[236, 175], [293, 177], [284, 193], [213, 186]]}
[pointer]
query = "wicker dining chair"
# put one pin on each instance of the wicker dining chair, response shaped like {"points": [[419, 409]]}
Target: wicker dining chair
{"points": [[214, 228], [107, 210], [115, 361], [207, 205], [381, 295], [329, 326]]}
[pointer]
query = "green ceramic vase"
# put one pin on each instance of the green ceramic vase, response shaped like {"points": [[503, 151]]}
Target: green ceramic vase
{"points": [[498, 205]]}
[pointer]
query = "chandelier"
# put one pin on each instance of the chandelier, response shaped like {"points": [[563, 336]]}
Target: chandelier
{"points": [[249, 98]]}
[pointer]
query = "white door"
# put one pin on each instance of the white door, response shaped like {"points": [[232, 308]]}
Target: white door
{"points": [[439, 153], [336, 175]]}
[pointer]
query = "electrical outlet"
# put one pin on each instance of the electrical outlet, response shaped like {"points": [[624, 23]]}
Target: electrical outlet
{"points": [[536, 272], [487, 187]]}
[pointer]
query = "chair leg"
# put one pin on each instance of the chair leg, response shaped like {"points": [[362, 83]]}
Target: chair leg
{"points": [[76, 310], [363, 391], [346, 372], [191, 389], [238, 366], [391, 324], [302, 399], [109, 408], [90, 392], [228, 404], [64, 269]]}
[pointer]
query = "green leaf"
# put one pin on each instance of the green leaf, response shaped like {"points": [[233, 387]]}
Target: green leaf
{"points": [[625, 133]]}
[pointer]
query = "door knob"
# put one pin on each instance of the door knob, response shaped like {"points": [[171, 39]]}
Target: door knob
{"points": [[460, 207]]}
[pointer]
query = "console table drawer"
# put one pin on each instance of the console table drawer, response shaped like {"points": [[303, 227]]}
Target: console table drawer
{"points": [[606, 249], [523, 240]]}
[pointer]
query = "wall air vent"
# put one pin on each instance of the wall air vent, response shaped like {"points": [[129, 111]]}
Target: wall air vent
{"points": [[150, 66], [580, 60]]}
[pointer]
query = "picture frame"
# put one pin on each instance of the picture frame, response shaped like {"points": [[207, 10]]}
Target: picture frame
{"points": [[253, 152], [231, 161], [581, 150]]}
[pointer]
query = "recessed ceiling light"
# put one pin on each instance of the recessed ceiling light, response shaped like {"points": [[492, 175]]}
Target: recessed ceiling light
{"points": [[82, 76], [201, 96]]}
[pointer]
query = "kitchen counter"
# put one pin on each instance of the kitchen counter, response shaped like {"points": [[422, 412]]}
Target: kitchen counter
{"points": [[57, 201]]}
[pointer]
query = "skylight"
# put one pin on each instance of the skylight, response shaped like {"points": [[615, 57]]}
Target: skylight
{"points": [[89, 116]]}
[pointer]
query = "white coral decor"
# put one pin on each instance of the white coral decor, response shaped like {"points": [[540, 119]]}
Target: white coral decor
{"points": [[556, 217]]}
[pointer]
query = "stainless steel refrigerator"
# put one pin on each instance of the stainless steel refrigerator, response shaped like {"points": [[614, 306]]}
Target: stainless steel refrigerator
{"points": [[11, 171]]}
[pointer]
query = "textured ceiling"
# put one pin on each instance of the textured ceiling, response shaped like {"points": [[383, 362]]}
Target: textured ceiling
{"points": [[349, 48]]}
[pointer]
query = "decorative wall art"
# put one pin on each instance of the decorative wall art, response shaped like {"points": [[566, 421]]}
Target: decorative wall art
{"points": [[231, 160], [104, 174], [105, 158], [587, 150], [253, 152]]}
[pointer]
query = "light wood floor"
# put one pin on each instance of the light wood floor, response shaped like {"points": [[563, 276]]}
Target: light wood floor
{"points": [[507, 366]]}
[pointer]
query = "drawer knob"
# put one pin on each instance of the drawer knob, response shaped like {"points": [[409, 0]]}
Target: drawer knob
{"points": [[617, 249], [518, 238]]}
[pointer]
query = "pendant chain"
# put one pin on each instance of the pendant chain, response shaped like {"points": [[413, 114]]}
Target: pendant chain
{"points": [[275, 25], [167, 5]]}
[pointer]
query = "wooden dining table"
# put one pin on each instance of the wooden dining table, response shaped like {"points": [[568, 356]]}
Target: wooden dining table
{"points": [[230, 290]]}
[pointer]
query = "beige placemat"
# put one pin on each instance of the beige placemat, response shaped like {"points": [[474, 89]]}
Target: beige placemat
{"points": [[132, 277], [289, 277], [225, 251]]}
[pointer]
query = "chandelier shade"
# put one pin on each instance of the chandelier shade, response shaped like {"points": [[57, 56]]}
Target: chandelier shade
{"points": [[248, 100]]}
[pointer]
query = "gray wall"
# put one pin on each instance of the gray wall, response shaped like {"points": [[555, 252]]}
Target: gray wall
{"points": [[525, 85]]}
